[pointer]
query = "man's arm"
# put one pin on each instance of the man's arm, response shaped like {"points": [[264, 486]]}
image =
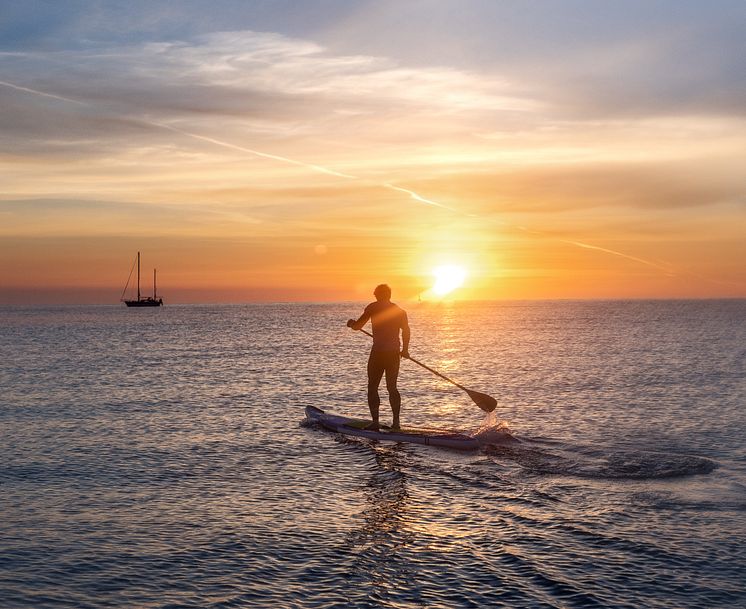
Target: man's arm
{"points": [[405, 333], [361, 321]]}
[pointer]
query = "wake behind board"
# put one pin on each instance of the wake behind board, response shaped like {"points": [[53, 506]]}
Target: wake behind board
{"points": [[357, 428]]}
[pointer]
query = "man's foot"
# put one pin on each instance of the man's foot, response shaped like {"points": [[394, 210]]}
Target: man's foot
{"points": [[373, 426], [395, 425]]}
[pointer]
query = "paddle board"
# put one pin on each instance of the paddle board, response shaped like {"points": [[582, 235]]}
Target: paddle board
{"points": [[357, 428]]}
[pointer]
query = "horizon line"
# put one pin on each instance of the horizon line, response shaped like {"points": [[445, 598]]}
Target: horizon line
{"points": [[410, 302]]}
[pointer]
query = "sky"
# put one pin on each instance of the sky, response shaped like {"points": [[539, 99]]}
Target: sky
{"points": [[309, 150]]}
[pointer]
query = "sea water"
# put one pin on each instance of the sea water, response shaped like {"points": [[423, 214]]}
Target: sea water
{"points": [[158, 458]]}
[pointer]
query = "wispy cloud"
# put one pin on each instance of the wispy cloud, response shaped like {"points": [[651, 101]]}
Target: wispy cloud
{"points": [[255, 132], [264, 85]]}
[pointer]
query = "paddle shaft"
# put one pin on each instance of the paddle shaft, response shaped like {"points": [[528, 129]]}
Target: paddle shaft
{"points": [[419, 363]]}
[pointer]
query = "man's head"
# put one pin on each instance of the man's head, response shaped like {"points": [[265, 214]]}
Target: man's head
{"points": [[382, 292]]}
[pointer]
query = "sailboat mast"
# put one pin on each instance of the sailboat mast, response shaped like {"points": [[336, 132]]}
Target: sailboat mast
{"points": [[138, 275], [153, 284]]}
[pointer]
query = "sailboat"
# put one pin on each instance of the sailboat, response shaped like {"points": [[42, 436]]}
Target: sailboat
{"points": [[142, 301]]}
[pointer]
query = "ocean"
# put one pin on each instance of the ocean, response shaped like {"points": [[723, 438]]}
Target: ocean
{"points": [[158, 458]]}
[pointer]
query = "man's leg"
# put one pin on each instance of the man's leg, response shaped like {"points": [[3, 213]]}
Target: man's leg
{"points": [[392, 374], [375, 372]]}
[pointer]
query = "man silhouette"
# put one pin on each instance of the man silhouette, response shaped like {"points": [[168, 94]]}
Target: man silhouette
{"points": [[387, 319]]}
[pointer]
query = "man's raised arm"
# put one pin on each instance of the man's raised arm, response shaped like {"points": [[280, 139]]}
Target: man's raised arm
{"points": [[361, 321]]}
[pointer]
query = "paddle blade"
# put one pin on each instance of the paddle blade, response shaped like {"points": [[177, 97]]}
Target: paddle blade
{"points": [[484, 401]]}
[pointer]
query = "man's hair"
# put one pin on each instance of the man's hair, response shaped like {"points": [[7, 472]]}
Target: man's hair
{"points": [[383, 291]]}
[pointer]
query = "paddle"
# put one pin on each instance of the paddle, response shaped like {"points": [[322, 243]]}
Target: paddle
{"points": [[484, 401]]}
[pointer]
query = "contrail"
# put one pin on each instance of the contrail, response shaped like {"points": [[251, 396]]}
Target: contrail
{"points": [[265, 155], [204, 138], [413, 195], [320, 169], [35, 92], [615, 253], [588, 246]]}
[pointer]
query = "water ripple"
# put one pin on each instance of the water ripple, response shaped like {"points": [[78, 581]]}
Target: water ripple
{"points": [[155, 459]]}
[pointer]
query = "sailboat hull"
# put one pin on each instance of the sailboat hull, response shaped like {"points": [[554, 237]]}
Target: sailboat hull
{"points": [[145, 302]]}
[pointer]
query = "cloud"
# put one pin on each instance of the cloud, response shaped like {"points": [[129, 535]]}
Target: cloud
{"points": [[259, 85], [597, 60], [239, 133], [250, 73], [269, 89], [587, 59], [542, 189]]}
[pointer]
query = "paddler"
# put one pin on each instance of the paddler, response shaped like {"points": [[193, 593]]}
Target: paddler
{"points": [[387, 320]]}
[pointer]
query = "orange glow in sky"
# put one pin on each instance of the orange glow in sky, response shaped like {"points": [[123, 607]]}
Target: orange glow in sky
{"points": [[315, 163]]}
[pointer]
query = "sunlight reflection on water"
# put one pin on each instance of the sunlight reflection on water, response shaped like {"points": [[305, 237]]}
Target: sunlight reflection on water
{"points": [[156, 457]]}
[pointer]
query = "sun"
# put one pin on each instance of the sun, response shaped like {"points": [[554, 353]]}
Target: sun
{"points": [[448, 278]]}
